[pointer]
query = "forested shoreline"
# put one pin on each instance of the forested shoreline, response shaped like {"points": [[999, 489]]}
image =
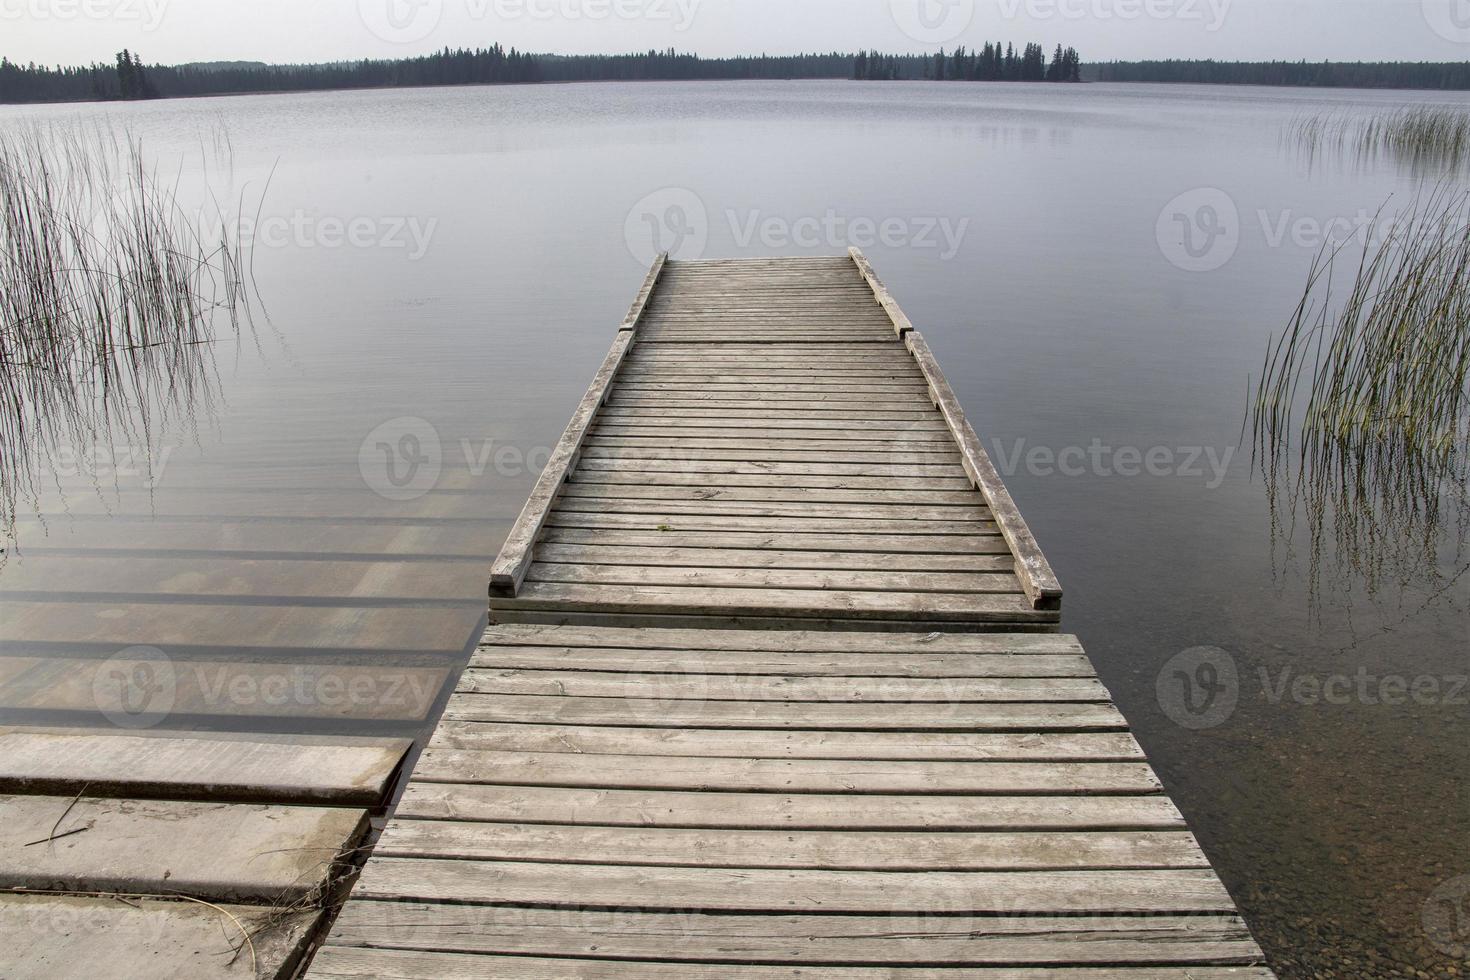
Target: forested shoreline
{"points": [[128, 77], [482, 66], [1442, 76]]}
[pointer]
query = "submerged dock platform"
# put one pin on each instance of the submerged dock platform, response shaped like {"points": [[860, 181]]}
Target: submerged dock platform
{"points": [[774, 688]]}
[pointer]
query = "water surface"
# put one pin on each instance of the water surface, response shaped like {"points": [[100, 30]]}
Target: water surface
{"points": [[444, 269]]}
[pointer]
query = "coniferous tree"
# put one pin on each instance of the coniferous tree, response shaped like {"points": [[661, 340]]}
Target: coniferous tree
{"points": [[125, 80]]}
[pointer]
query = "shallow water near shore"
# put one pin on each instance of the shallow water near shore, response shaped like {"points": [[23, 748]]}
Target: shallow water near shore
{"points": [[1098, 268]]}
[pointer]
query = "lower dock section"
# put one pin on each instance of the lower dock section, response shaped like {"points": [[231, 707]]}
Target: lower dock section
{"points": [[171, 855], [649, 803]]}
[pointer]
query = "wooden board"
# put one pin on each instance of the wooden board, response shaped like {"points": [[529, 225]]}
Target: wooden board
{"points": [[760, 743], [238, 768], [143, 939], [810, 850], [178, 687], [219, 852], [343, 962], [612, 802], [791, 938], [771, 811]]}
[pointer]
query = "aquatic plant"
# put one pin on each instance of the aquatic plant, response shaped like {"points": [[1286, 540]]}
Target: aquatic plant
{"points": [[1426, 139], [112, 297], [1360, 415]]}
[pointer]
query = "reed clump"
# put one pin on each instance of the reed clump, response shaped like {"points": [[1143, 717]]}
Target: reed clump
{"points": [[1426, 139], [112, 298], [1360, 416]]}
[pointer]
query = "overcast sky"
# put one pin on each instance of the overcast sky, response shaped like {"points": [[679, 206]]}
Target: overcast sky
{"points": [[173, 31]]}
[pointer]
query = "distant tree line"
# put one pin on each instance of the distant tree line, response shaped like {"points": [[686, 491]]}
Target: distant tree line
{"points": [[481, 66], [992, 63], [1323, 74]]}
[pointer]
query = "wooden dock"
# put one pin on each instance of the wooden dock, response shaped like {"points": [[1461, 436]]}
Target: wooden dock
{"points": [[774, 688], [154, 854]]}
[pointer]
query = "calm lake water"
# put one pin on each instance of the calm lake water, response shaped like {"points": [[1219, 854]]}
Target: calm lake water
{"points": [[1099, 269]]}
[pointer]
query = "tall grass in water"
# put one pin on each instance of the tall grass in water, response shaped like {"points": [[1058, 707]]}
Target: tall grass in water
{"points": [[111, 299], [1360, 417], [1428, 140]]}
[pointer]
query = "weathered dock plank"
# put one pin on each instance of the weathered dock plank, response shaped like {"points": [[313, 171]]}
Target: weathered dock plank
{"points": [[219, 852], [147, 939], [801, 939], [342, 963], [199, 766]]}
